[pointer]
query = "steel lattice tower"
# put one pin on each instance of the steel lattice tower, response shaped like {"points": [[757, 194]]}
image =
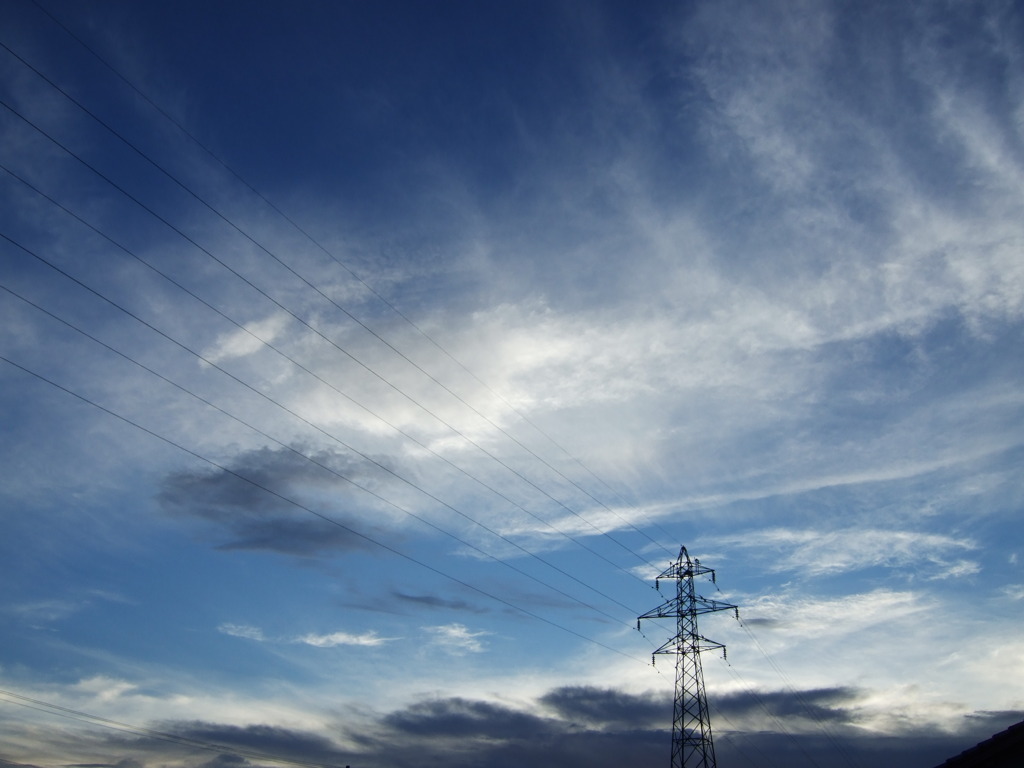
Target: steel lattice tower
{"points": [[692, 746]]}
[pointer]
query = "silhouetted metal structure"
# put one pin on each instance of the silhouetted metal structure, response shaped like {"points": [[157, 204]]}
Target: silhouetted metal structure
{"points": [[692, 746]]}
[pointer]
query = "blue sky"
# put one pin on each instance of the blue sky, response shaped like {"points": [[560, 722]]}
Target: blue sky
{"points": [[371, 458]]}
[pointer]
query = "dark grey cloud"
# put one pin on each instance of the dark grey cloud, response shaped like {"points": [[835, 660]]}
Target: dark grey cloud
{"points": [[918, 748], [292, 537], [467, 719], [600, 728], [596, 707], [460, 732], [226, 761], [604, 728], [568, 726], [256, 519], [272, 740], [828, 705], [434, 601], [251, 742]]}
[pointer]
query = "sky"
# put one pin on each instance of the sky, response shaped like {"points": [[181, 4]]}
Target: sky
{"points": [[364, 363]]}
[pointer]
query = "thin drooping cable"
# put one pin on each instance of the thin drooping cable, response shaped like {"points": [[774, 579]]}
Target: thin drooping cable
{"points": [[342, 442], [783, 729], [336, 439], [762, 756], [298, 505], [336, 346], [281, 306], [808, 709], [313, 460], [85, 717], [316, 376], [839, 746], [356, 320]]}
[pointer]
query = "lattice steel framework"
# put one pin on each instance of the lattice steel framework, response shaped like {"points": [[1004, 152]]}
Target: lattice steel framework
{"points": [[692, 746]]}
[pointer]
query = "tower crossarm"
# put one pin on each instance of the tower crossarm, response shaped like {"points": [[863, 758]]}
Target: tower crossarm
{"points": [[703, 605], [672, 607], [668, 609], [690, 645], [684, 567]]}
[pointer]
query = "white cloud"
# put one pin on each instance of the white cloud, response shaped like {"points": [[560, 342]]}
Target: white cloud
{"points": [[957, 569], [919, 650], [102, 688], [805, 617], [773, 100], [692, 347], [240, 343], [995, 664], [816, 553], [1014, 591], [329, 640], [457, 638], [155, 699], [45, 610], [343, 638], [242, 630], [808, 641]]}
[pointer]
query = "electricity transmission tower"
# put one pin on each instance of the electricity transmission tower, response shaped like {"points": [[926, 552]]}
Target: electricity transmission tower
{"points": [[691, 723]]}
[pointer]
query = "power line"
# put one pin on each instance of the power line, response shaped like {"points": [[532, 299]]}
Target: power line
{"points": [[338, 474], [839, 746], [383, 467], [334, 344], [321, 515], [305, 233], [341, 442], [726, 737], [348, 397], [334, 303], [85, 717], [748, 688]]}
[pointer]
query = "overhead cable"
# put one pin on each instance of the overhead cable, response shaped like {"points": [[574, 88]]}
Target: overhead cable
{"points": [[298, 505], [342, 476], [355, 319], [324, 432], [85, 717], [301, 320], [330, 341]]}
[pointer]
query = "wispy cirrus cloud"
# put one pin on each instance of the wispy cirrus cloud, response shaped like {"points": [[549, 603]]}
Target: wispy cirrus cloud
{"points": [[324, 640], [457, 638], [332, 639], [844, 616], [245, 341], [816, 552], [44, 611], [40, 612], [242, 630], [1014, 591], [762, 270]]}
